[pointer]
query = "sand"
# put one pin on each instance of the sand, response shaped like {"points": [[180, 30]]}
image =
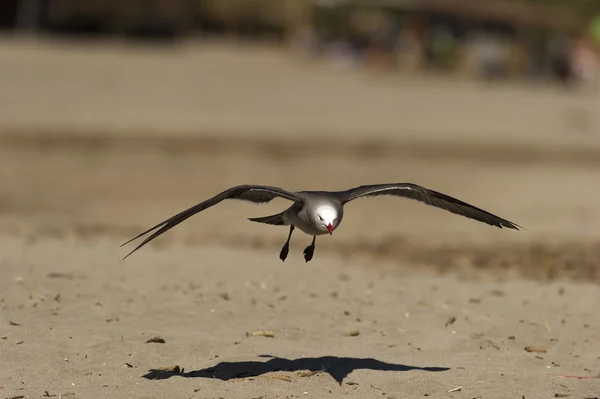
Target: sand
{"points": [[84, 318], [403, 301]]}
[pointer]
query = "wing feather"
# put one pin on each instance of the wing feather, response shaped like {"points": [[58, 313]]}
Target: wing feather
{"points": [[429, 197], [252, 193]]}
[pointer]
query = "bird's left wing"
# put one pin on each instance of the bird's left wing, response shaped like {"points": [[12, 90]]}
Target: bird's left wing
{"points": [[253, 193], [429, 197]]}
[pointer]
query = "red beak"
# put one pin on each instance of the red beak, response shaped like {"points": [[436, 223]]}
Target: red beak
{"points": [[330, 228]]}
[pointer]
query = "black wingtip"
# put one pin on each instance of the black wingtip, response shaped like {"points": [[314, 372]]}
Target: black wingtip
{"points": [[510, 225], [126, 256], [515, 226], [135, 249], [139, 236], [138, 247], [134, 238]]}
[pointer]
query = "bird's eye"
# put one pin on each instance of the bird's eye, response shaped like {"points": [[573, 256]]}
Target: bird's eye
{"points": [[320, 218]]}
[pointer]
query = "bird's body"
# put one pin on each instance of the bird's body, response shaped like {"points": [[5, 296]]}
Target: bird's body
{"points": [[306, 218], [321, 212]]}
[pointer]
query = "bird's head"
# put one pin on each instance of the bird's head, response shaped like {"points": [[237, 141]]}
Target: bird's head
{"points": [[327, 218]]}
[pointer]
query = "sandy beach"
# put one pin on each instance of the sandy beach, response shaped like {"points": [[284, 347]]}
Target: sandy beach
{"points": [[403, 301]]}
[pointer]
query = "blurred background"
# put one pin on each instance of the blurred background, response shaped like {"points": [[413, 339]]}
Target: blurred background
{"points": [[498, 38], [115, 115]]}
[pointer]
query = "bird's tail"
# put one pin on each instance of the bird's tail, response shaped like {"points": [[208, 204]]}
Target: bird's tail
{"points": [[276, 220]]}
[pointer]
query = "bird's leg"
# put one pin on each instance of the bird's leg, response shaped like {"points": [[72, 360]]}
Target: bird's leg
{"points": [[286, 247], [310, 250]]}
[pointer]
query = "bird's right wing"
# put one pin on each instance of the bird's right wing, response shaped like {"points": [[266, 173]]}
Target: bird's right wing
{"points": [[252, 193]]}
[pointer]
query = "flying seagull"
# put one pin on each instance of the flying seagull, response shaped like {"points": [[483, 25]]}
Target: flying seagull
{"points": [[321, 212]]}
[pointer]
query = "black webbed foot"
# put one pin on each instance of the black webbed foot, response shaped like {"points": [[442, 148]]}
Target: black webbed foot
{"points": [[309, 252], [284, 251], [286, 247]]}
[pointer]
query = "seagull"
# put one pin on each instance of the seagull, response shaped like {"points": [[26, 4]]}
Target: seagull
{"points": [[320, 212]]}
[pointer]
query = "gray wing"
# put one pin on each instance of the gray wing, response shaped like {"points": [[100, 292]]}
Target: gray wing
{"points": [[428, 197], [251, 193]]}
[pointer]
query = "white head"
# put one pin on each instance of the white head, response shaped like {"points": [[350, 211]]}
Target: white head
{"points": [[326, 218]]}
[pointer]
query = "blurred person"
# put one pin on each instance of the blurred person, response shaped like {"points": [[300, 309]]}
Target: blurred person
{"points": [[489, 52], [560, 49], [410, 49], [443, 47], [585, 63]]}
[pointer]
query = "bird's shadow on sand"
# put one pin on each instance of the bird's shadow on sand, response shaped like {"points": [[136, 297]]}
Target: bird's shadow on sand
{"points": [[337, 367]]}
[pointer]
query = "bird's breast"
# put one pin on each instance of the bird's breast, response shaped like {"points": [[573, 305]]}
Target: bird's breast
{"points": [[302, 221]]}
